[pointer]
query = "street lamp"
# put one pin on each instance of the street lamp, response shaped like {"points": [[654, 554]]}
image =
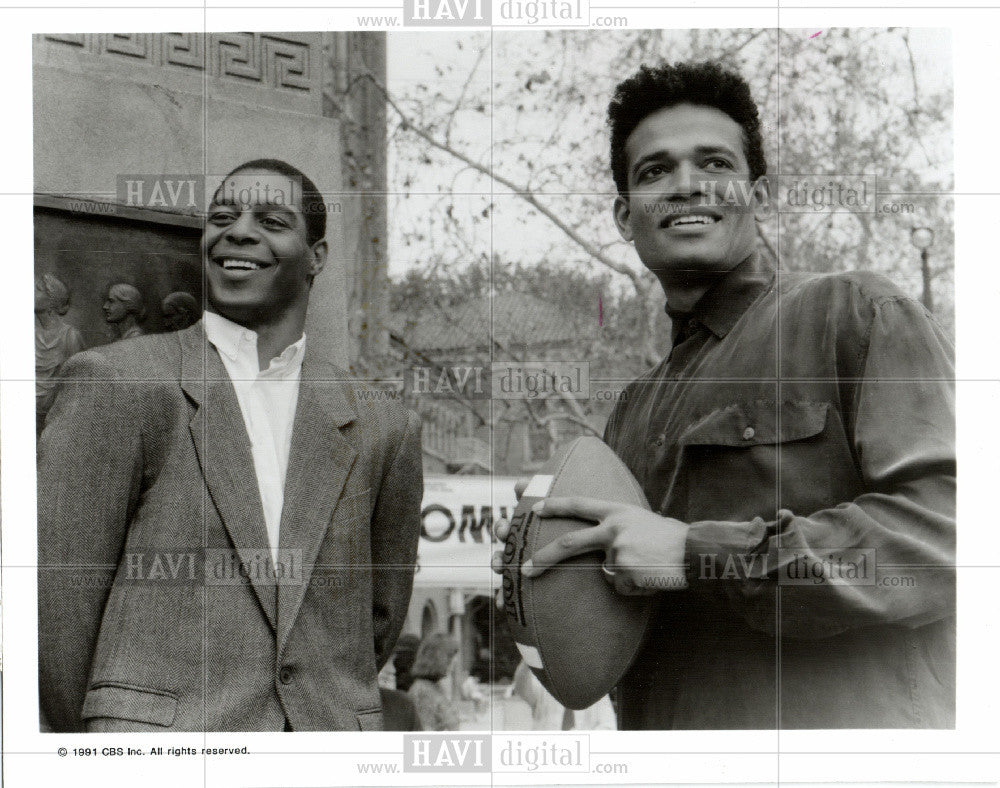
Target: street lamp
{"points": [[923, 239]]}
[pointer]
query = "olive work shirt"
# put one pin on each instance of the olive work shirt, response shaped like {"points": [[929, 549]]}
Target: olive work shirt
{"points": [[803, 425]]}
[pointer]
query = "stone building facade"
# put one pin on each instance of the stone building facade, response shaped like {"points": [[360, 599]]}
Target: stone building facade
{"points": [[187, 107]]}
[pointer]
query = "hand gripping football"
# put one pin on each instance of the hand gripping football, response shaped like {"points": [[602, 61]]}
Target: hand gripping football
{"points": [[573, 630]]}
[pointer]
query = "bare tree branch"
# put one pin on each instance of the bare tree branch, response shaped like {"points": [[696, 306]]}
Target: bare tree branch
{"points": [[910, 116], [733, 50], [525, 194], [461, 95], [400, 342]]}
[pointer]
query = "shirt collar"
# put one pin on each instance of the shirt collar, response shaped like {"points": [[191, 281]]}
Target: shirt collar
{"points": [[726, 300], [237, 342], [231, 339]]}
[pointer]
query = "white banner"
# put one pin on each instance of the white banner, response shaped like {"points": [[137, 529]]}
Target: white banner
{"points": [[456, 535]]}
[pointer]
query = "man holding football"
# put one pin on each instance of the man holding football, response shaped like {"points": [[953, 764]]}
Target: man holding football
{"points": [[796, 447]]}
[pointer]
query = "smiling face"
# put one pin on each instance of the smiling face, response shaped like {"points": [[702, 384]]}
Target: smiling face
{"points": [[691, 208], [258, 261]]}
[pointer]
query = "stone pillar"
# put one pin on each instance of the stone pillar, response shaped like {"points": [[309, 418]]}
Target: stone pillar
{"points": [[360, 106]]}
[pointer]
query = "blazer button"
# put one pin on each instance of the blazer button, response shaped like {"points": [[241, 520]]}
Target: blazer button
{"points": [[285, 675], [748, 433]]}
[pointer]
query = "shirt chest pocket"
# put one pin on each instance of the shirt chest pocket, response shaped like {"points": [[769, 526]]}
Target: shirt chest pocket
{"points": [[748, 460]]}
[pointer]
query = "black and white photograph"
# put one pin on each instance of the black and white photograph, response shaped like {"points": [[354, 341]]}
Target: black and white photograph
{"points": [[542, 394]]}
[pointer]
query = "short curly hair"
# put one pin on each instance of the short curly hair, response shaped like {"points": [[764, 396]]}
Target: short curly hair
{"points": [[705, 83]]}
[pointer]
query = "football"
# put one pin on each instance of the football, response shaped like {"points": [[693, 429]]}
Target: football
{"points": [[573, 630]]}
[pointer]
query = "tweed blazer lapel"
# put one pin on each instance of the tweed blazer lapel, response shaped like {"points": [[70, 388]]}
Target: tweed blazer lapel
{"points": [[318, 466], [224, 454]]}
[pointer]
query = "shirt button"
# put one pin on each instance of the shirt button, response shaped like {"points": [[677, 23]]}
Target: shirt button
{"points": [[285, 675], [657, 441], [748, 433]]}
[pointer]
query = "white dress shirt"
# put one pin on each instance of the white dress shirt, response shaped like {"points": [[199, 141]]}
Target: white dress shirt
{"points": [[267, 400]]}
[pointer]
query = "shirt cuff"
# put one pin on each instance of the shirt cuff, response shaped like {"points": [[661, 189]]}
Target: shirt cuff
{"points": [[715, 548]]}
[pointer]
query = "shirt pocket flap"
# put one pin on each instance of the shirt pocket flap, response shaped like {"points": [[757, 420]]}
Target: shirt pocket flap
{"points": [[138, 704], [758, 423]]}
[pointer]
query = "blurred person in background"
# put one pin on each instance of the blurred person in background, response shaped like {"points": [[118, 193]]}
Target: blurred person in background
{"points": [[434, 662], [398, 711], [406, 652]]}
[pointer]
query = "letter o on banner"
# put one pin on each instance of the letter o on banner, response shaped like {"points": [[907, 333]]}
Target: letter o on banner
{"points": [[440, 537]]}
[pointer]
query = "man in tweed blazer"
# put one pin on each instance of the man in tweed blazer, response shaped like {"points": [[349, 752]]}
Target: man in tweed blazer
{"points": [[183, 585]]}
